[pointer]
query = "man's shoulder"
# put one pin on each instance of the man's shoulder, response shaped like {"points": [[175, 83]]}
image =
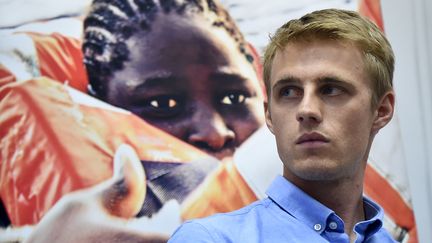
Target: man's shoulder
{"points": [[222, 227], [262, 221], [221, 219], [226, 221]]}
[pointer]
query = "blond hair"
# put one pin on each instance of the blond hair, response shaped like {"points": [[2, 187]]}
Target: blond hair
{"points": [[339, 25]]}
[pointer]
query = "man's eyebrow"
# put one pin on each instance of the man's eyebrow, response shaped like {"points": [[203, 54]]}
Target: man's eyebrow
{"points": [[286, 80], [321, 80], [335, 80]]}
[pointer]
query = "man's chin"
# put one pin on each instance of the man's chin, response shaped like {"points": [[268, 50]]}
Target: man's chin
{"points": [[317, 173], [321, 176]]}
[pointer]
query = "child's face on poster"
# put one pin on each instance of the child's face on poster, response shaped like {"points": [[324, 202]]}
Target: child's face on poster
{"points": [[190, 79]]}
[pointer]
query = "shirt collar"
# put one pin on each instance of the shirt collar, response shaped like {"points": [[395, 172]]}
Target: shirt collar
{"points": [[311, 212], [299, 204], [374, 215]]}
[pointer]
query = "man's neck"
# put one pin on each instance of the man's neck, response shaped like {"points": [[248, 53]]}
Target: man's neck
{"points": [[344, 197]]}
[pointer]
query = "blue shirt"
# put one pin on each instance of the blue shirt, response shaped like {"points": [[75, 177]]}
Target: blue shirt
{"points": [[287, 215]]}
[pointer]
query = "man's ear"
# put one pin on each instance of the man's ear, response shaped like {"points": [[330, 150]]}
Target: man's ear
{"points": [[384, 111], [268, 116]]}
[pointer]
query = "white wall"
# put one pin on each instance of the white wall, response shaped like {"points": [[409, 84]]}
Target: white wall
{"points": [[408, 25]]}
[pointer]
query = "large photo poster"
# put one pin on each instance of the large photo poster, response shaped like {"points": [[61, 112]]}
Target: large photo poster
{"points": [[142, 114]]}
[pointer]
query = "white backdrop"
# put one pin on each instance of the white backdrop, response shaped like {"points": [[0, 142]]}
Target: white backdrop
{"points": [[408, 26], [255, 18]]}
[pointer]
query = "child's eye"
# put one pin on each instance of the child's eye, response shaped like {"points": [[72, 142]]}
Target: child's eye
{"points": [[233, 99], [159, 106], [163, 103]]}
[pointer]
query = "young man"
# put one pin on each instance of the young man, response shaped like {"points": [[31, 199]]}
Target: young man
{"points": [[328, 77]]}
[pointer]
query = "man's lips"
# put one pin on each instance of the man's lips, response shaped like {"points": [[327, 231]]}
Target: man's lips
{"points": [[312, 138]]}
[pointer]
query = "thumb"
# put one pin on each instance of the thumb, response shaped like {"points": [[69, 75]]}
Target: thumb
{"points": [[123, 195], [85, 210]]}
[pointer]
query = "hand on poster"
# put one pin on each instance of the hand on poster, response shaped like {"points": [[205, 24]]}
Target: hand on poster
{"points": [[102, 213]]}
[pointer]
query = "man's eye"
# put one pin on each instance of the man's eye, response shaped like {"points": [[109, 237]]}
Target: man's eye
{"points": [[233, 99], [163, 103], [291, 92], [331, 90]]}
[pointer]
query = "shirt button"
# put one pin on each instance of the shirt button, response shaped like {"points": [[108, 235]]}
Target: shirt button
{"points": [[317, 227], [333, 225]]}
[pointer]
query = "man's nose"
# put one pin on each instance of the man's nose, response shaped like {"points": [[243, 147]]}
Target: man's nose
{"points": [[309, 110], [209, 131]]}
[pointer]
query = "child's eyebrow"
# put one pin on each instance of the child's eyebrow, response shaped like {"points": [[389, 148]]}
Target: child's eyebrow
{"points": [[228, 77], [157, 81]]}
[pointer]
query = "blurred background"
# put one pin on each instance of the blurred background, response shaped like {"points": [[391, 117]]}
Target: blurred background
{"points": [[404, 146]]}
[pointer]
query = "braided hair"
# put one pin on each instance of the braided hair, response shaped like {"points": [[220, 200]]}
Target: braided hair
{"points": [[111, 22]]}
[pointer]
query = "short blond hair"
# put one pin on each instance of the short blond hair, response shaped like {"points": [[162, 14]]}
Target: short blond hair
{"points": [[339, 25]]}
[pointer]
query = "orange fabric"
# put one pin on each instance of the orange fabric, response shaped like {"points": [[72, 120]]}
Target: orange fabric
{"points": [[378, 188], [225, 190], [6, 76], [372, 10], [60, 58], [40, 159], [413, 238], [52, 146]]}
